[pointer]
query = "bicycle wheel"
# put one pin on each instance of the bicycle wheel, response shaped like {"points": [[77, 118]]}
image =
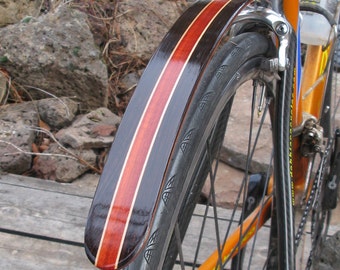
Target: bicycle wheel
{"points": [[211, 116]]}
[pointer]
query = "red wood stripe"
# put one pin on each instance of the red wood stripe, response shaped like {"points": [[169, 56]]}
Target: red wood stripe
{"points": [[127, 188]]}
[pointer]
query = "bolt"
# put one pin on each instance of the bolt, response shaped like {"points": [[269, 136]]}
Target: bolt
{"points": [[317, 148], [332, 184], [281, 29]]}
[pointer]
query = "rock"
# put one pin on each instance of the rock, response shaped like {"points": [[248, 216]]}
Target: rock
{"points": [[234, 150], [93, 130], [130, 80], [57, 55], [235, 144], [90, 131], [3, 89], [57, 113], [63, 169], [227, 185], [15, 132], [13, 11], [143, 24]]}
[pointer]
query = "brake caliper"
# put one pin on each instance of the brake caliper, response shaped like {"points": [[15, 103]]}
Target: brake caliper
{"points": [[312, 138]]}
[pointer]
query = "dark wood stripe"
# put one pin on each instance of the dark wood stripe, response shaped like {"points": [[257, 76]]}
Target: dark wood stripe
{"points": [[161, 153], [109, 178], [153, 175], [119, 216]]}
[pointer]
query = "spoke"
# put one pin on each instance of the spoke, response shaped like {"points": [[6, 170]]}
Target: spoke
{"points": [[212, 176], [179, 245], [230, 250], [211, 155], [262, 205], [251, 150], [201, 235], [244, 186], [267, 173]]}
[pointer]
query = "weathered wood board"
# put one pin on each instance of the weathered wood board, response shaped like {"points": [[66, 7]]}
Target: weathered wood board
{"points": [[21, 252], [42, 224]]}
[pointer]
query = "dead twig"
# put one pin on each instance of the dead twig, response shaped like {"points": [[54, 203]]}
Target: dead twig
{"points": [[21, 151], [50, 94], [82, 161], [69, 154], [11, 87]]}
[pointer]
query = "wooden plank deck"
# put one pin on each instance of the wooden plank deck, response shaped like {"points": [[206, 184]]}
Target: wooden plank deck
{"points": [[42, 224]]}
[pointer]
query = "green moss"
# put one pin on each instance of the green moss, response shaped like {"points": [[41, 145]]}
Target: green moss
{"points": [[3, 59], [72, 67], [76, 51], [27, 19]]}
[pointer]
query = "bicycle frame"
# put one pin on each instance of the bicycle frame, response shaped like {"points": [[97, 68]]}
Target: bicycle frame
{"points": [[309, 91], [123, 208]]}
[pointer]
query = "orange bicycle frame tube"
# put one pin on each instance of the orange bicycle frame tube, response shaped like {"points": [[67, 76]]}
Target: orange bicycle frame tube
{"points": [[247, 230], [307, 99], [309, 103]]}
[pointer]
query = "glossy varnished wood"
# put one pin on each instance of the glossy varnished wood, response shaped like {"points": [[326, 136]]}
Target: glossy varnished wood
{"points": [[129, 188]]}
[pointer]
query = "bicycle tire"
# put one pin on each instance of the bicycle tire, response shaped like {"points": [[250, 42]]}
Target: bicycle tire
{"points": [[240, 59]]}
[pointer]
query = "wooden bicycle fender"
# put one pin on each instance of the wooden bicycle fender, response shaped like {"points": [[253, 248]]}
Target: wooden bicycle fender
{"points": [[129, 188]]}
